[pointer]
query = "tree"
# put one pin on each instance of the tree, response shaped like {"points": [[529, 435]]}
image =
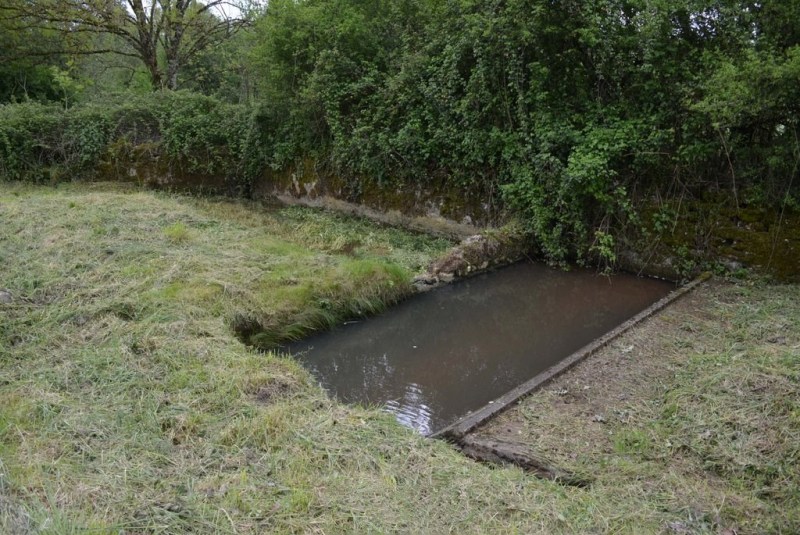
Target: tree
{"points": [[163, 34], [23, 74]]}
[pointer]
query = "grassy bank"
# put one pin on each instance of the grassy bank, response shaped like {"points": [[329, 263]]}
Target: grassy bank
{"points": [[128, 403]]}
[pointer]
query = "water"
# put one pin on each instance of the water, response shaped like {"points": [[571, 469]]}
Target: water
{"points": [[440, 355]]}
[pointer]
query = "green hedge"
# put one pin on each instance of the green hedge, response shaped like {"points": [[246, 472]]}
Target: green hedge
{"points": [[192, 132]]}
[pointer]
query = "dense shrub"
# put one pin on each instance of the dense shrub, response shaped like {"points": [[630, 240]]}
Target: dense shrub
{"points": [[198, 134], [29, 140], [571, 112], [571, 109]]}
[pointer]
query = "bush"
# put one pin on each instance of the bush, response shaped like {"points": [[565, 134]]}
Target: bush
{"points": [[30, 140], [187, 131], [573, 110]]}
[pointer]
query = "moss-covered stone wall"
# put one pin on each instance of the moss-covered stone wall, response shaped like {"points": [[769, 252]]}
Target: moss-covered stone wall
{"points": [[679, 237], [437, 206], [674, 239]]}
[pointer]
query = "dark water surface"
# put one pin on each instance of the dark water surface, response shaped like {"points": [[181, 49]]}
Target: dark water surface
{"points": [[438, 356]]}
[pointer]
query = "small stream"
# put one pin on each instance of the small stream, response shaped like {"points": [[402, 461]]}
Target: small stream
{"points": [[438, 356]]}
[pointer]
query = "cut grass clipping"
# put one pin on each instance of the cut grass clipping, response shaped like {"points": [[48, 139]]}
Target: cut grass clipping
{"points": [[129, 405]]}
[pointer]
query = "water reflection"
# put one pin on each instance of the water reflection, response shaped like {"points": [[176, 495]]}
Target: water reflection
{"points": [[440, 355], [411, 410]]}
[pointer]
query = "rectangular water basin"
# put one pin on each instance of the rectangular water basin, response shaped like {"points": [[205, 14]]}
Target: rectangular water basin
{"points": [[441, 355]]}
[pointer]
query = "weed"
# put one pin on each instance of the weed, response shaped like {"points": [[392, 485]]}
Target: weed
{"points": [[177, 232]]}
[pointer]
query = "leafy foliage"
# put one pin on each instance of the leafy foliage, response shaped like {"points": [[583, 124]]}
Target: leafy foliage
{"points": [[163, 35], [570, 112], [196, 133], [570, 109]]}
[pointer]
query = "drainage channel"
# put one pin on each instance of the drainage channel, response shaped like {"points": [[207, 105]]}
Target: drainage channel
{"points": [[445, 361]]}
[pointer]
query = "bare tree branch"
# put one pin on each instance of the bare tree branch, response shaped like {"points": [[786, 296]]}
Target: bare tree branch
{"points": [[45, 53]]}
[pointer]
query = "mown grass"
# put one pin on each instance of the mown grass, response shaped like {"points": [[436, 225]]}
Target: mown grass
{"points": [[128, 404]]}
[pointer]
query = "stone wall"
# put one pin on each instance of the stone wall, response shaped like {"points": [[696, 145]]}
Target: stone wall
{"points": [[435, 206], [702, 234]]}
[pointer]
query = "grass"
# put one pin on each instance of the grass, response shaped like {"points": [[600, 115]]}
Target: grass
{"points": [[130, 404], [177, 232]]}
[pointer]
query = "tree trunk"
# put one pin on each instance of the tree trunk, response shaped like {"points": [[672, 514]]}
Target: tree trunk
{"points": [[155, 73], [173, 35], [172, 73], [145, 41]]}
